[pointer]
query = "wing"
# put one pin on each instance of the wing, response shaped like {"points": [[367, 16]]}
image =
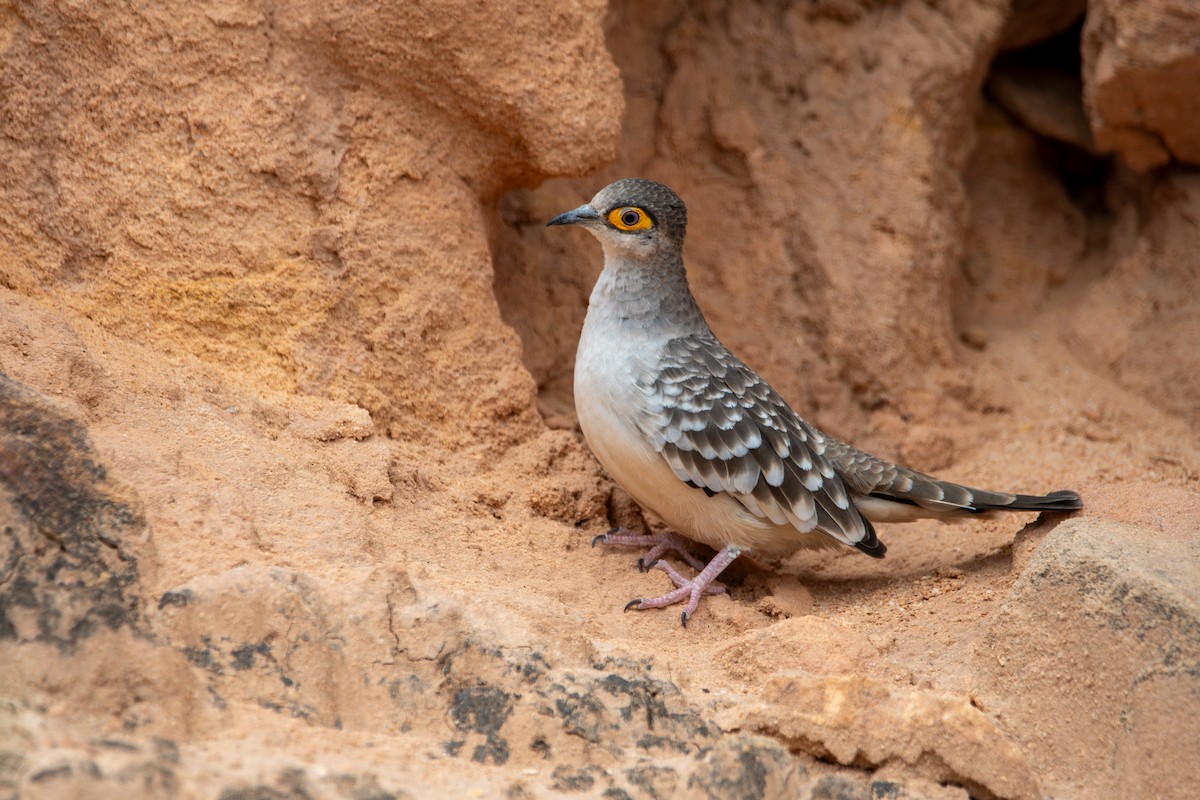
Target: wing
{"points": [[722, 428]]}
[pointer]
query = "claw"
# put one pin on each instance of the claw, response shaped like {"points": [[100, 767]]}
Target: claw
{"points": [[689, 590], [604, 537], [659, 545]]}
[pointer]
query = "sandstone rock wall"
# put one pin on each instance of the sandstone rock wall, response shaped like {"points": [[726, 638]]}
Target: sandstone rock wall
{"points": [[293, 501]]}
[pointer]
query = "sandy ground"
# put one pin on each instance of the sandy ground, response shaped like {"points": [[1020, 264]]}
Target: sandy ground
{"points": [[295, 503]]}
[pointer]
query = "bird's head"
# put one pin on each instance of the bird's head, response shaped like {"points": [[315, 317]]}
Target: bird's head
{"points": [[632, 218]]}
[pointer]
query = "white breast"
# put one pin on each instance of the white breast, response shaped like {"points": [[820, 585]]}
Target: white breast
{"points": [[609, 403]]}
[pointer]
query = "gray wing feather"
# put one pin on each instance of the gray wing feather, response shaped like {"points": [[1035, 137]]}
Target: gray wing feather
{"points": [[722, 428]]}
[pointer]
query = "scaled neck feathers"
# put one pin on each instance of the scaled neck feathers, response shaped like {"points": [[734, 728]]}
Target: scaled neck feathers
{"points": [[652, 296]]}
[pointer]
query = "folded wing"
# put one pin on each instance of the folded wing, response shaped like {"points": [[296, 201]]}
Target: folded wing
{"points": [[722, 428]]}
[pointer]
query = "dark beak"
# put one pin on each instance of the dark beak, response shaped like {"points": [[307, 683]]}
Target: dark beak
{"points": [[580, 216]]}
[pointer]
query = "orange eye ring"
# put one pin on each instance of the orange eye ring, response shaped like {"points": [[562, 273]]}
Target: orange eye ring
{"points": [[630, 218]]}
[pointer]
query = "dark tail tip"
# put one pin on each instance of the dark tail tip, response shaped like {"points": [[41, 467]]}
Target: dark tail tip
{"points": [[1062, 500]]}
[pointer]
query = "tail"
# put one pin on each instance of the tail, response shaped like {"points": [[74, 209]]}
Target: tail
{"points": [[887, 492], [934, 499], [1062, 500]]}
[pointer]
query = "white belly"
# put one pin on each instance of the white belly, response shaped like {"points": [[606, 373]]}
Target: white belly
{"points": [[608, 402]]}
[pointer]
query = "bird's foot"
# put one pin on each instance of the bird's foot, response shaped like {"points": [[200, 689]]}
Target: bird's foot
{"points": [[687, 589], [659, 545], [681, 582]]}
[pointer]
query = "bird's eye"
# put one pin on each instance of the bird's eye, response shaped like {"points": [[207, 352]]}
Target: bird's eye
{"points": [[630, 218]]}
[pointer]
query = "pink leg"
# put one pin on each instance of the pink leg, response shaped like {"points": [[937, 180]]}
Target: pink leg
{"points": [[690, 590], [679, 580], [659, 545]]}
